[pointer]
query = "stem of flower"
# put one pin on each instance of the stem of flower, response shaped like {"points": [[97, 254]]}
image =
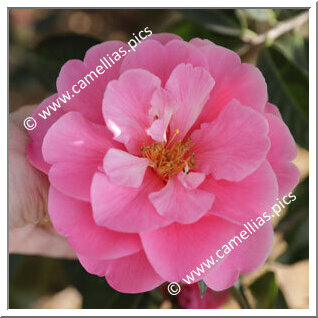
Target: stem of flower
{"points": [[238, 294]]}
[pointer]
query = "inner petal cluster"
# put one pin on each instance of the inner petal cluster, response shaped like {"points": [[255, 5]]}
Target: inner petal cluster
{"points": [[169, 158]]}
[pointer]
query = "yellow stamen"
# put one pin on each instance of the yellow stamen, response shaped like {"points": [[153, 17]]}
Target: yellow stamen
{"points": [[168, 161]]}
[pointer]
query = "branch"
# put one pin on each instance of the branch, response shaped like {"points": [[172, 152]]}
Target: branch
{"points": [[274, 33]]}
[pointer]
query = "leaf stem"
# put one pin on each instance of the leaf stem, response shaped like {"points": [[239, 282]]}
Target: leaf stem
{"points": [[271, 35]]}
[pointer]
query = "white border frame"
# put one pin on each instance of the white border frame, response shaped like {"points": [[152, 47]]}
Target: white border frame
{"points": [[312, 162]]}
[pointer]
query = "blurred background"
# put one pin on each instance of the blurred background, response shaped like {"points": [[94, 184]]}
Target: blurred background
{"points": [[276, 41]]}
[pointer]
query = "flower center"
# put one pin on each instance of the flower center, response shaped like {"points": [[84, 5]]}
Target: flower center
{"points": [[168, 159]]}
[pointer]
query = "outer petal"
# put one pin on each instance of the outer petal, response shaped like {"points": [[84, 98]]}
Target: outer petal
{"points": [[164, 38], [75, 147], [272, 109], [233, 80], [126, 106], [197, 42], [94, 266], [125, 169], [222, 62], [161, 60], [89, 100], [73, 219], [35, 156], [174, 251], [34, 150], [245, 258], [190, 88], [176, 203], [132, 274], [249, 198], [283, 150], [190, 298], [125, 209], [234, 145]]}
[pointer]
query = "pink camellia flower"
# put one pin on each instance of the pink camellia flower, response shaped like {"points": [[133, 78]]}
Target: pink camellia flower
{"points": [[161, 160], [190, 298]]}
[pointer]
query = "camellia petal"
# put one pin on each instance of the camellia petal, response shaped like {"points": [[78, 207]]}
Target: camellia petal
{"points": [[179, 204], [75, 147], [228, 147], [125, 169], [126, 107], [125, 209], [190, 88], [73, 219], [85, 84], [132, 274], [175, 250], [241, 201], [241, 260], [283, 150]]}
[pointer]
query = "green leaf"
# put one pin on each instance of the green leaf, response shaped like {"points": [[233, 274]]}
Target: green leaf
{"points": [[188, 29], [215, 20], [295, 227], [203, 287], [288, 90], [295, 48], [260, 14], [266, 292], [51, 53]]}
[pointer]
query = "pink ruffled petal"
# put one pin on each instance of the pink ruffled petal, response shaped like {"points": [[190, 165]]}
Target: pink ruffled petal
{"points": [[126, 107], [245, 258], [283, 150], [233, 80], [174, 251], [157, 131], [164, 38], [272, 109], [75, 147], [94, 266], [200, 42], [34, 151], [190, 298], [162, 108], [73, 179], [35, 156], [75, 139], [191, 180], [148, 56], [90, 83], [44, 124], [73, 219], [161, 60], [124, 169], [179, 204], [178, 52], [132, 274], [190, 87], [229, 147], [222, 62], [249, 198], [125, 209]]}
